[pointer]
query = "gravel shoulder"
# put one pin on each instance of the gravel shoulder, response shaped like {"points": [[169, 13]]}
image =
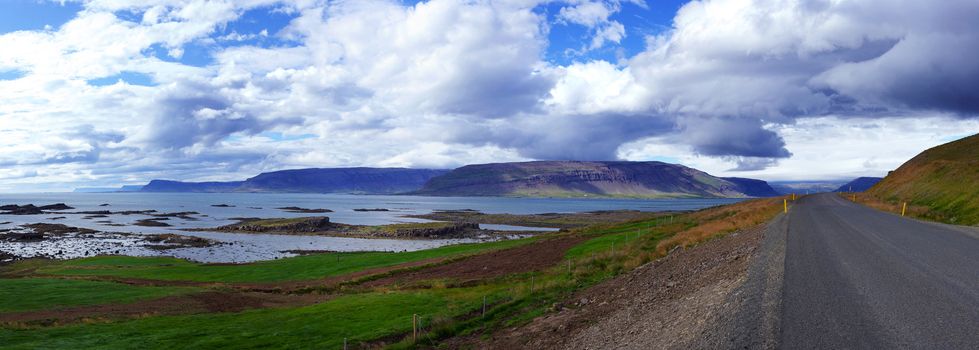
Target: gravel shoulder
{"points": [[724, 293]]}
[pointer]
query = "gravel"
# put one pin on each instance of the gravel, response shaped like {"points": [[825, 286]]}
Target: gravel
{"points": [[720, 294]]}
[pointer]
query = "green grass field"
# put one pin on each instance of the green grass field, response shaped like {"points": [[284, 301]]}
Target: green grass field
{"points": [[357, 317], [26, 294]]}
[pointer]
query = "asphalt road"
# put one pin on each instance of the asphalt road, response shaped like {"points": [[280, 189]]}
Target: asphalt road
{"points": [[858, 278]]}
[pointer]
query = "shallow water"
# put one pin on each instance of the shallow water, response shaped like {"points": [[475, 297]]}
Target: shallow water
{"points": [[252, 247]]}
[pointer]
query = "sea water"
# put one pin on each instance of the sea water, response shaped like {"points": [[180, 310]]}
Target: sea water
{"points": [[216, 209]]}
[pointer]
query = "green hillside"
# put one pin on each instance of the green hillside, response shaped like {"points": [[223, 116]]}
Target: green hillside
{"points": [[944, 179]]}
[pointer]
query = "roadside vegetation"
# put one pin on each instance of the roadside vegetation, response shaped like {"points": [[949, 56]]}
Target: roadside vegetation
{"points": [[363, 299], [940, 184]]}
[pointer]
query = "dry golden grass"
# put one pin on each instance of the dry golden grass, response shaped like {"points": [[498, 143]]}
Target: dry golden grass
{"points": [[915, 211], [714, 222]]}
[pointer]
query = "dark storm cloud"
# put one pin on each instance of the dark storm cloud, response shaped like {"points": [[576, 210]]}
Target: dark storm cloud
{"points": [[931, 72], [197, 114], [493, 91], [585, 137], [732, 137]]}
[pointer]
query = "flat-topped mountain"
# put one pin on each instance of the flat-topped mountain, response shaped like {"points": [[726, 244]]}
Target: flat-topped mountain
{"points": [[332, 180], [178, 186], [585, 179], [944, 178], [346, 180]]}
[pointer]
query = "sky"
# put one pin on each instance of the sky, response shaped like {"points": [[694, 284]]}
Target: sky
{"points": [[102, 93]]}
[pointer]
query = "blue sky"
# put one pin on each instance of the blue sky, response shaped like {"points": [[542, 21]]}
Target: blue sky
{"points": [[105, 93], [35, 15], [566, 40]]}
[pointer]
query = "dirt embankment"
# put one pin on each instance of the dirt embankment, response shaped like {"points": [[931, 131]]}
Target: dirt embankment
{"points": [[691, 299]]}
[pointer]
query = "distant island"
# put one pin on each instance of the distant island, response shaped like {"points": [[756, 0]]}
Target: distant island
{"points": [[621, 179]]}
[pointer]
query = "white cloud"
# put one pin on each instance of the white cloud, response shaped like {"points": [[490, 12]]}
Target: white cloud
{"points": [[734, 84]]}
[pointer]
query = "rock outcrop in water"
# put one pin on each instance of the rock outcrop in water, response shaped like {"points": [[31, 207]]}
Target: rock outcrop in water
{"points": [[30, 209], [311, 224], [452, 230]]}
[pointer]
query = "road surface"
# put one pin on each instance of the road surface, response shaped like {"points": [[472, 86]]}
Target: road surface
{"points": [[858, 278]]}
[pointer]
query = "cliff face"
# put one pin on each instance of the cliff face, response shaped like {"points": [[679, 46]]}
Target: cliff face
{"points": [[581, 179], [335, 180]]}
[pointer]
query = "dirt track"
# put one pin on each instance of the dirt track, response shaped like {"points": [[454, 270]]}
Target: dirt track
{"points": [[531, 257]]}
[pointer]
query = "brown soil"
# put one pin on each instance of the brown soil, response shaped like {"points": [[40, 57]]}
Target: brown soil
{"points": [[668, 303], [205, 302], [532, 257]]}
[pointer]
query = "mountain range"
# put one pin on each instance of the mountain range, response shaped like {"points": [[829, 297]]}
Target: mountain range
{"points": [[523, 179]]}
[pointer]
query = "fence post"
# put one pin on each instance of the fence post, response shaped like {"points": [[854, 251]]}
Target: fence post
{"points": [[414, 327], [484, 306]]}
